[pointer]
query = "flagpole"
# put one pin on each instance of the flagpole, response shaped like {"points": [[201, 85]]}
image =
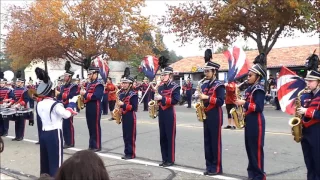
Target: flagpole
{"points": [[145, 93]]}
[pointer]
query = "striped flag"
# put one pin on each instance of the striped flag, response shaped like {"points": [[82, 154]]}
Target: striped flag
{"points": [[289, 84], [238, 63], [101, 62], [149, 66]]}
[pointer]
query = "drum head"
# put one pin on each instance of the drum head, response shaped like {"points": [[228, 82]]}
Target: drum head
{"points": [[8, 111]]}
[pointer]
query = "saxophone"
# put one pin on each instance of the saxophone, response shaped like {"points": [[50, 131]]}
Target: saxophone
{"points": [[238, 113], [199, 106], [80, 100], [295, 122], [153, 105], [117, 112]]}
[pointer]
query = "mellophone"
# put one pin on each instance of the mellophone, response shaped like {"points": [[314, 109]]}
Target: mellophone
{"points": [[13, 114]]}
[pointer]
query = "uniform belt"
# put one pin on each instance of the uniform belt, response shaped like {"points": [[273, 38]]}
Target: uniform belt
{"points": [[50, 128]]}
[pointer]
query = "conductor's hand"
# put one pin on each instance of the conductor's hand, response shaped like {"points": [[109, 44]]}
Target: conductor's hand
{"points": [[73, 113]]}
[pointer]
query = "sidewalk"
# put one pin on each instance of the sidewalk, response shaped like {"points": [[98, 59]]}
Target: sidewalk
{"points": [[3, 176]]}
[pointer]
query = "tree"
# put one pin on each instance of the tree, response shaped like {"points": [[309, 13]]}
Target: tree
{"points": [[222, 21], [81, 29], [33, 35]]}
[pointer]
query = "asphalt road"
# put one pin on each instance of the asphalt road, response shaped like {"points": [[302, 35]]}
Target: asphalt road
{"points": [[283, 156]]}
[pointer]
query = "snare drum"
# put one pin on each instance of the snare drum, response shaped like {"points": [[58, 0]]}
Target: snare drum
{"points": [[26, 113], [8, 114]]}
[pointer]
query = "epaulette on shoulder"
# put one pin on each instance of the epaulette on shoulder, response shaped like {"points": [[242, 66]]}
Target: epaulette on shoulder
{"points": [[258, 87]]}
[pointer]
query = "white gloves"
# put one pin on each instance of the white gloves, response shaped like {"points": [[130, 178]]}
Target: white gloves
{"points": [[73, 112], [302, 110], [157, 97]]}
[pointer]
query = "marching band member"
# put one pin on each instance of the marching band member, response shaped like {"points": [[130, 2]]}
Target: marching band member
{"points": [[51, 113], [112, 89], [254, 131], [6, 97], [213, 92], [93, 95], [128, 103], [31, 86], [21, 99], [77, 80], [169, 95], [187, 90], [146, 99], [310, 142], [67, 92]]}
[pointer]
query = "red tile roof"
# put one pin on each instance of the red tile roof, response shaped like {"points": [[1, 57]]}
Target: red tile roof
{"points": [[278, 57]]}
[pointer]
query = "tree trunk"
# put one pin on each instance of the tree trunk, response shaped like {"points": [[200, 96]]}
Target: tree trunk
{"points": [[46, 65], [82, 75]]}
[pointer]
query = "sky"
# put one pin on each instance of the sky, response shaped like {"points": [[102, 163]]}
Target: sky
{"points": [[157, 8]]}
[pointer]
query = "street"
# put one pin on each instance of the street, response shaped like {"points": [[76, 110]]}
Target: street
{"points": [[283, 156]]}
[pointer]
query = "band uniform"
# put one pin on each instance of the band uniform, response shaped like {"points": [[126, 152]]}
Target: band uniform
{"points": [[22, 98], [93, 96], [130, 102], [169, 96], [310, 141], [214, 90], [254, 131], [6, 96], [68, 91]]}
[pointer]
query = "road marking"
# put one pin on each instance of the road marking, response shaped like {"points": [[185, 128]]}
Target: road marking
{"points": [[143, 162]]}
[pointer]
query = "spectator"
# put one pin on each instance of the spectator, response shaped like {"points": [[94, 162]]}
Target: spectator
{"points": [[271, 84], [83, 164], [230, 98]]}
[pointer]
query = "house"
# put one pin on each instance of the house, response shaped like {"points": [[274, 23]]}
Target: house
{"points": [[292, 57]]}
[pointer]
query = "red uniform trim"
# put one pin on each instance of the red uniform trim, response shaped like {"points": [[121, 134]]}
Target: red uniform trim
{"points": [[259, 140], [252, 107], [173, 135], [219, 141], [168, 100], [89, 96], [133, 136], [309, 113], [97, 124], [72, 130], [213, 100], [128, 107]]}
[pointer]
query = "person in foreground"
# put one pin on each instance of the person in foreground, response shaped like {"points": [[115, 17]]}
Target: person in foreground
{"points": [[83, 164]]}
